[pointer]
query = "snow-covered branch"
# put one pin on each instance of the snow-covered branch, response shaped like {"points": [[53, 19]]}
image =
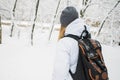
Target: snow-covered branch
{"points": [[104, 20], [4, 10], [85, 4]]}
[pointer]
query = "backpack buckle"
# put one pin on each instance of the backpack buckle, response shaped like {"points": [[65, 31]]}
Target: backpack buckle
{"points": [[92, 55]]}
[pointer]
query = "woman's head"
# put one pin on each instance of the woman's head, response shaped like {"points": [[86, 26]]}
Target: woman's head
{"points": [[68, 15]]}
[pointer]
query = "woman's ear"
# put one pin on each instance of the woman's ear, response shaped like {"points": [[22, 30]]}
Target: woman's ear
{"points": [[61, 32]]}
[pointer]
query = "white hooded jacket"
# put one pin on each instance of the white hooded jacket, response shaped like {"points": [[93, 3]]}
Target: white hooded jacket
{"points": [[67, 52]]}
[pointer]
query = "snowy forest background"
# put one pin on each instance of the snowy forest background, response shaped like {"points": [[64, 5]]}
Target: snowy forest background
{"points": [[29, 32], [102, 15]]}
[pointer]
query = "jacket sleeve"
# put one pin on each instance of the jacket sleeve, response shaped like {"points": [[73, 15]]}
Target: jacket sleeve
{"points": [[62, 62]]}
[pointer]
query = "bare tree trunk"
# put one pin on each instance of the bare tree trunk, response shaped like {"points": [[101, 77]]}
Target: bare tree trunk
{"points": [[103, 22], [33, 26], [13, 17], [0, 31], [54, 19]]}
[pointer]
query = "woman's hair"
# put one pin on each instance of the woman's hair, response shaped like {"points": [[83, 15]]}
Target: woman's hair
{"points": [[61, 33]]}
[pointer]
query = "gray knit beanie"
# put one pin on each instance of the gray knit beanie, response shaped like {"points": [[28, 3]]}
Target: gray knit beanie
{"points": [[68, 15]]}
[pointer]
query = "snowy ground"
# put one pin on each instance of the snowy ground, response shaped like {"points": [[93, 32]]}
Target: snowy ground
{"points": [[21, 61]]}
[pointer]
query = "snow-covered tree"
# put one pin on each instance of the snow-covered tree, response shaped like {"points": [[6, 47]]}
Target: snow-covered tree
{"points": [[0, 31], [55, 15], [13, 18], [35, 17]]}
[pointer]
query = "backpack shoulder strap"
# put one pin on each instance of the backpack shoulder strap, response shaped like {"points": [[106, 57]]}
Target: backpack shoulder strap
{"points": [[73, 36]]}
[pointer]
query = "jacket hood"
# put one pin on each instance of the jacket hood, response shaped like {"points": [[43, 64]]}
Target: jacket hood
{"points": [[76, 27]]}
